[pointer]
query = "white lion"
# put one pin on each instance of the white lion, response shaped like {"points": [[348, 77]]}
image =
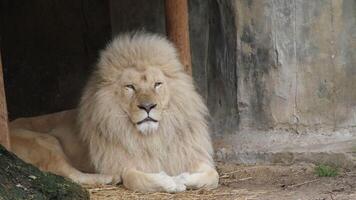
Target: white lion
{"points": [[140, 120]]}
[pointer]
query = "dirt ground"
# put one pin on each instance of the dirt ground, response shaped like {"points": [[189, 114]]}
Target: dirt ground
{"points": [[265, 182]]}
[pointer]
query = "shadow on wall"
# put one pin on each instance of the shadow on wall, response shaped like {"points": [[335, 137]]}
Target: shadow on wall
{"points": [[48, 48]]}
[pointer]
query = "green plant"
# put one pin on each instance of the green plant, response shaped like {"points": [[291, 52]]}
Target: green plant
{"points": [[325, 171]]}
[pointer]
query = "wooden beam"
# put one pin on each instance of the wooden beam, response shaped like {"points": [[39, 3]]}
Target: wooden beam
{"points": [[178, 29], [4, 129]]}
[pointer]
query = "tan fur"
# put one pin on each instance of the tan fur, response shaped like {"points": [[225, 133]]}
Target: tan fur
{"points": [[50, 143], [168, 154]]}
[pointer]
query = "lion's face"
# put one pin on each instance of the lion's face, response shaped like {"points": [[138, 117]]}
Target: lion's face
{"points": [[144, 96]]}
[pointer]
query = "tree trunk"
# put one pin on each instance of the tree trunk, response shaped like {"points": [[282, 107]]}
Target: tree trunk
{"points": [[4, 129], [19, 180]]}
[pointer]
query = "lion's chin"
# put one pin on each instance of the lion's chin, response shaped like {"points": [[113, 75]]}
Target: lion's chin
{"points": [[147, 127]]}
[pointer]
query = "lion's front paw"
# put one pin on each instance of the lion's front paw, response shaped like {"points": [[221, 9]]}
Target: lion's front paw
{"points": [[181, 178], [169, 184], [206, 180]]}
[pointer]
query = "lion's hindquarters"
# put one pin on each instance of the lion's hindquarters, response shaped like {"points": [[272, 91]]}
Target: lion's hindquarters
{"points": [[46, 152], [39, 149]]}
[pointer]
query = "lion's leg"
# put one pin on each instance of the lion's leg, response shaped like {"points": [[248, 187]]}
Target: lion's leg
{"points": [[150, 182], [77, 176], [204, 176], [91, 179], [45, 152]]}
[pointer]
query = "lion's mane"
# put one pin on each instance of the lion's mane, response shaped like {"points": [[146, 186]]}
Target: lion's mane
{"points": [[182, 138]]}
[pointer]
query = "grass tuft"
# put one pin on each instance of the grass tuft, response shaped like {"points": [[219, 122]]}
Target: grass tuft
{"points": [[326, 171]]}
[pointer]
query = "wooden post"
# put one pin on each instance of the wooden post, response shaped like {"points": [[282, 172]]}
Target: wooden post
{"points": [[4, 129], [178, 29]]}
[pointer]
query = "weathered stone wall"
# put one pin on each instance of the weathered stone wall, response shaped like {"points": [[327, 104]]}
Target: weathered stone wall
{"points": [[296, 63]]}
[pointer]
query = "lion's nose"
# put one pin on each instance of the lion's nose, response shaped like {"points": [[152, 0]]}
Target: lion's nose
{"points": [[147, 106]]}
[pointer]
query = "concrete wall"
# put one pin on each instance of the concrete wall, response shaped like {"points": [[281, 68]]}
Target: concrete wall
{"points": [[296, 63]]}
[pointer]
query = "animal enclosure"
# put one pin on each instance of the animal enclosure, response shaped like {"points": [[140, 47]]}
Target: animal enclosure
{"points": [[278, 76]]}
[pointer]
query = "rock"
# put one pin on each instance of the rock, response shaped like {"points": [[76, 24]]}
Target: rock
{"points": [[19, 180]]}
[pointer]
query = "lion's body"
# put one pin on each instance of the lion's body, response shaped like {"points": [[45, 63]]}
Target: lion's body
{"points": [[165, 147], [50, 143]]}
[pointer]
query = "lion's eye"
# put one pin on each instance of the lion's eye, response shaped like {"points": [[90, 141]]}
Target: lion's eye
{"points": [[158, 84], [130, 86]]}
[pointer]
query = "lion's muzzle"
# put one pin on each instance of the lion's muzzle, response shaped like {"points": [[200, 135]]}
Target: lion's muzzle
{"points": [[146, 106]]}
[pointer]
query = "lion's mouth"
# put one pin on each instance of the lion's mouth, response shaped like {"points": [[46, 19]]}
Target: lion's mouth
{"points": [[147, 119]]}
